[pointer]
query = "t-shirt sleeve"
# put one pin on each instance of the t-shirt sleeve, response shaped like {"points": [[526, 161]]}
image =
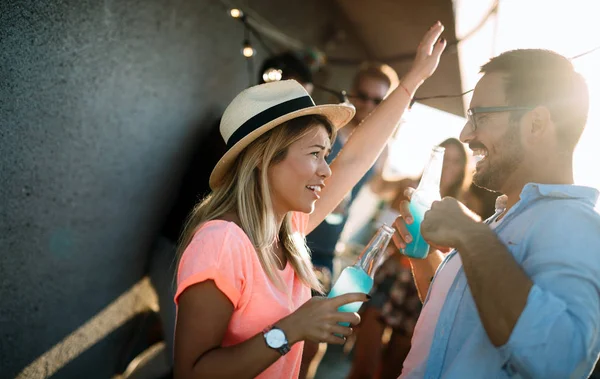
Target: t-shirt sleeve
{"points": [[300, 222], [217, 252]]}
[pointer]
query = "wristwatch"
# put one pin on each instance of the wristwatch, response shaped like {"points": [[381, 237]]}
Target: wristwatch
{"points": [[276, 339]]}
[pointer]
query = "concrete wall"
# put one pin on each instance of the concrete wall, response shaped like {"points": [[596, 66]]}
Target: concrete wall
{"points": [[100, 103]]}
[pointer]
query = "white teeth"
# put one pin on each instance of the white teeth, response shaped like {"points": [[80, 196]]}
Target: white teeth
{"points": [[482, 153], [314, 188]]}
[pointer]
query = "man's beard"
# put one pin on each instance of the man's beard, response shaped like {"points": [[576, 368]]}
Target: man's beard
{"points": [[496, 172]]}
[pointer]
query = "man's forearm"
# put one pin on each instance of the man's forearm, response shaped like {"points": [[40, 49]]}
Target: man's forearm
{"points": [[498, 284], [424, 270]]}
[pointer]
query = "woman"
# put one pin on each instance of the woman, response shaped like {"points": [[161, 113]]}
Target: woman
{"points": [[244, 277], [396, 304]]}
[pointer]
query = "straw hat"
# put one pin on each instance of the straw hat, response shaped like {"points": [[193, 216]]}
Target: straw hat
{"points": [[259, 109]]}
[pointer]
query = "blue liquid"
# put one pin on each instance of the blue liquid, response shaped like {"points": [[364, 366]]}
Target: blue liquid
{"points": [[351, 280], [418, 248]]}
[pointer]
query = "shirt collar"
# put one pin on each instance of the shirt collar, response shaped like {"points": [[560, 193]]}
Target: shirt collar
{"points": [[532, 191]]}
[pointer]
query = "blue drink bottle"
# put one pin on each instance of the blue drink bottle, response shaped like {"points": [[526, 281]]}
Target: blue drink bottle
{"points": [[427, 192], [359, 277]]}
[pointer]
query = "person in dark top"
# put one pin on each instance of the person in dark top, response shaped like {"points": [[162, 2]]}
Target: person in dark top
{"points": [[371, 84]]}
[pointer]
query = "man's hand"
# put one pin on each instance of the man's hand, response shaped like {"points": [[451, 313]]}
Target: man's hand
{"points": [[447, 222]]}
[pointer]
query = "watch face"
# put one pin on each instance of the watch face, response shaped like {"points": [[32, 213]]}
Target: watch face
{"points": [[276, 338]]}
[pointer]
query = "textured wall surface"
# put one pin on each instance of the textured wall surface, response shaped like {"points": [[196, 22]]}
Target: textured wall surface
{"points": [[100, 101]]}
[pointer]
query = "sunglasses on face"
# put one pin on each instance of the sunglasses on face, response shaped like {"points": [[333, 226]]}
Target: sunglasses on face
{"points": [[364, 97], [472, 113]]}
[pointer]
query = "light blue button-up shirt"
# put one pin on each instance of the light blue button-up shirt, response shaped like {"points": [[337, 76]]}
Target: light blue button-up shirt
{"points": [[553, 232]]}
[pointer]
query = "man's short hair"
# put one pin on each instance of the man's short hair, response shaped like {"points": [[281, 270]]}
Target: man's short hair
{"points": [[537, 77], [379, 71]]}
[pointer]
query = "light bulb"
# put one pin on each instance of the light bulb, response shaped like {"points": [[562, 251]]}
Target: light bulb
{"points": [[236, 13], [272, 75], [248, 50]]}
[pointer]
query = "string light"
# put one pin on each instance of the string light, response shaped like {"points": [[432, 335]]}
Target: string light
{"points": [[247, 49], [272, 75], [236, 13]]}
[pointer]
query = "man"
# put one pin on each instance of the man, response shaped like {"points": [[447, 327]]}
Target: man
{"points": [[520, 295]]}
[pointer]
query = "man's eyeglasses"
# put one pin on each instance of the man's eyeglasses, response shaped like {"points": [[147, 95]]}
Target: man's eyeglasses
{"points": [[473, 112]]}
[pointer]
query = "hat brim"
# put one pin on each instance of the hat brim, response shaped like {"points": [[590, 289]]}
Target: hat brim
{"points": [[338, 115]]}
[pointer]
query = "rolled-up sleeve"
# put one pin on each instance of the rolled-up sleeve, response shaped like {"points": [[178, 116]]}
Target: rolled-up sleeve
{"points": [[557, 333]]}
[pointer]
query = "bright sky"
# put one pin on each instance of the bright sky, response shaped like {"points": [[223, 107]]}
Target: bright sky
{"points": [[423, 127], [567, 27]]}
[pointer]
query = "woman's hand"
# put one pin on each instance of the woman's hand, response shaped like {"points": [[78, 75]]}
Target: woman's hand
{"points": [[317, 320], [428, 55]]}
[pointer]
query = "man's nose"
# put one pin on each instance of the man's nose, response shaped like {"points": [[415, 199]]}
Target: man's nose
{"points": [[467, 133]]}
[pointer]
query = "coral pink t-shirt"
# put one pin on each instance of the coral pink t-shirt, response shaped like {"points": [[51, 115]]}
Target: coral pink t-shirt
{"points": [[221, 251]]}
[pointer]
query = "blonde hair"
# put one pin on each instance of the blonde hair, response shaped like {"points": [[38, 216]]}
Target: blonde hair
{"points": [[245, 191]]}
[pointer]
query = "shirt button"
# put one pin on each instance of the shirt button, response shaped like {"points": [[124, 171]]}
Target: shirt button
{"points": [[509, 369]]}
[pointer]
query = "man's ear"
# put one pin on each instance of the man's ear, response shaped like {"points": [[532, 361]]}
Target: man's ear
{"points": [[541, 122], [537, 126]]}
